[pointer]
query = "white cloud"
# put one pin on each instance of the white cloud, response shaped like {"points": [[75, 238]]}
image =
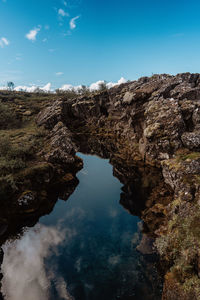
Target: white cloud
{"points": [[46, 88], [66, 87], [34, 88], [70, 87], [121, 80], [62, 13], [95, 86], [32, 34], [112, 84], [4, 42], [72, 22], [24, 88], [59, 73]]}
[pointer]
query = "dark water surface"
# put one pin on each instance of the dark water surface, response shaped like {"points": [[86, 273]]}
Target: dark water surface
{"points": [[85, 249]]}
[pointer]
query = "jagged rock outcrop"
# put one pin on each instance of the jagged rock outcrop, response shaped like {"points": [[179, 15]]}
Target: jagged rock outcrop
{"points": [[160, 113], [52, 115], [62, 150]]}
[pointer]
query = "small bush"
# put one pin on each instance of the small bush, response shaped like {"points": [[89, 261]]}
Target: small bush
{"points": [[8, 118], [14, 157]]}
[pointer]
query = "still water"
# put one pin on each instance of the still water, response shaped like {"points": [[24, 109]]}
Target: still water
{"points": [[84, 250]]}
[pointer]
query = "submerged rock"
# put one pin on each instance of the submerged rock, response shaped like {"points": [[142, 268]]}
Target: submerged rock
{"points": [[146, 245]]}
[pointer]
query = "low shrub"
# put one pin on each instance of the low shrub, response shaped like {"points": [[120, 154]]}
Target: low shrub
{"points": [[8, 118], [15, 156]]}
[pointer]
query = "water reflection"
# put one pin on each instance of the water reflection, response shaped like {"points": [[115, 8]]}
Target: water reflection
{"points": [[24, 265], [84, 250]]}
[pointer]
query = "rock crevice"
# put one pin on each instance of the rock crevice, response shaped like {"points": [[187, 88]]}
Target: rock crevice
{"points": [[150, 122]]}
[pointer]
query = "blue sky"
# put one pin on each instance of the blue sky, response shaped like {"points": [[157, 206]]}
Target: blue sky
{"points": [[82, 41]]}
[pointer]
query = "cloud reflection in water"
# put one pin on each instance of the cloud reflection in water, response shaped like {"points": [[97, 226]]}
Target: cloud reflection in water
{"points": [[23, 267]]}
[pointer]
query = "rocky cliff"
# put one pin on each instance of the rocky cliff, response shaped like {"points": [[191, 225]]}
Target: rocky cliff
{"points": [[150, 130]]}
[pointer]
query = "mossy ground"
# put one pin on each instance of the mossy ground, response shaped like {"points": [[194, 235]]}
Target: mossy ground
{"points": [[20, 138], [180, 247]]}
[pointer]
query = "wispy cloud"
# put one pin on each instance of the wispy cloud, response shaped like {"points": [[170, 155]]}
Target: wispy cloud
{"points": [[62, 13], [4, 42], [59, 73], [32, 34], [72, 22]]}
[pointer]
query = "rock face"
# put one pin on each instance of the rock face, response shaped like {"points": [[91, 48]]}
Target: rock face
{"points": [[51, 116], [160, 113], [150, 122], [62, 150]]}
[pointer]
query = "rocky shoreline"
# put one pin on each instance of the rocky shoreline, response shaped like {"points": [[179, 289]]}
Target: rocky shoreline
{"points": [[150, 131], [150, 123]]}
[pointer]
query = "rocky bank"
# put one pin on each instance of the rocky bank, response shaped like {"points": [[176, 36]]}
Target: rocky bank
{"points": [[150, 130]]}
